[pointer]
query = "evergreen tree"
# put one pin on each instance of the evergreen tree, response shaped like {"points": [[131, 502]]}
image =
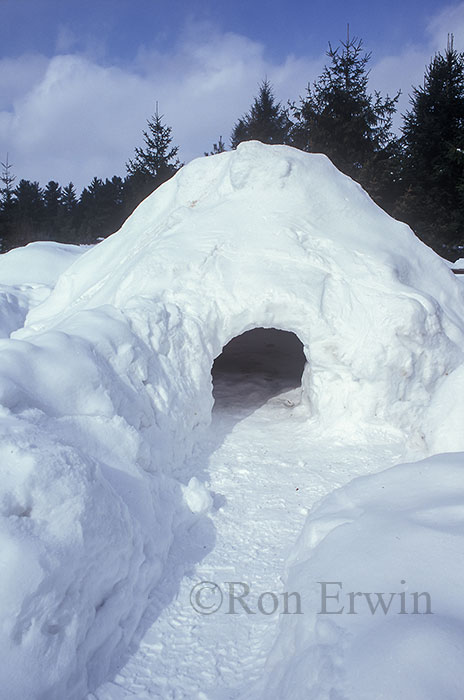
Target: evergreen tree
{"points": [[69, 198], [266, 121], [6, 206], [52, 198], [66, 227], [112, 205], [90, 223], [29, 211], [7, 178], [52, 203], [340, 118], [101, 209], [218, 147], [153, 164], [433, 142]]}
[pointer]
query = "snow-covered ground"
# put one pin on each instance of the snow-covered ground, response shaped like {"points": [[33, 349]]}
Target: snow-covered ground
{"points": [[121, 490]]}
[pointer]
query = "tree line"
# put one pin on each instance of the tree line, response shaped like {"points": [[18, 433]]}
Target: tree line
{"points": [[417, 176]]}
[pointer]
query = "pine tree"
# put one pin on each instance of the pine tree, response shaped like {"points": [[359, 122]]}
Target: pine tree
{"points": [[66, 229], [153, 164], [100, 211], [69, 198], [29, 210], [7, 178], [267, 121], [52, 198], [433, 142], [90, 223], [52, 202], [6, 206], [111, 205], [340, 118], [218, 147]]}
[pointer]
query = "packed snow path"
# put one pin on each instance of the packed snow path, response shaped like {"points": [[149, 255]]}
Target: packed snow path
{"points": [[265, 470]]}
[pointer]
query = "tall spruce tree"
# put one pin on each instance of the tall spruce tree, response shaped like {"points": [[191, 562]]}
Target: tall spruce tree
{"points": [[433, 142], [340, 118], [6, 206], [267, 121], [153, 164]]}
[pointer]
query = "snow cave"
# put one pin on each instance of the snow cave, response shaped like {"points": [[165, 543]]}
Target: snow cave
{"points": [[257, 365], [116, 477]]}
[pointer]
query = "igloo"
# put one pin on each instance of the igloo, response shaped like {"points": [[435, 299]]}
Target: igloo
{"points": [[108, 387], [270, 237]]}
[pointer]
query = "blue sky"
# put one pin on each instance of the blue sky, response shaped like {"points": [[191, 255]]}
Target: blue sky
{"points": [[283, 27], [79, 79]]}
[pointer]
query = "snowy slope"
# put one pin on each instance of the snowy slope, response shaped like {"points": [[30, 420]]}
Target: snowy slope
{"points": [[107, 388]]}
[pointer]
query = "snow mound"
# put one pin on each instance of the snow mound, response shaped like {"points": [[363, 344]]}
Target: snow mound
{"points": [[268, 236], [27, 276], [107, 388], [382, 615], [41, 262]]}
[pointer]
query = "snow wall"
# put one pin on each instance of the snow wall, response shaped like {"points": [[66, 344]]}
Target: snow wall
{"points": [[105, 391]]}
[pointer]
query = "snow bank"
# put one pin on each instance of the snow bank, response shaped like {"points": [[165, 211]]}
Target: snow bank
{"points": [[107, 387], [395, 541], [85, 529], [27, 276], [71, 554]]}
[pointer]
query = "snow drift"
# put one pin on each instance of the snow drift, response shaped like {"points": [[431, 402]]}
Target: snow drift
{"points": [[395, 541], [27, 276], [108, 386]]}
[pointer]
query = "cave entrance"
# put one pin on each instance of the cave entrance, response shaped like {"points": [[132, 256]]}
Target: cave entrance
{"points": [[257, 366]]}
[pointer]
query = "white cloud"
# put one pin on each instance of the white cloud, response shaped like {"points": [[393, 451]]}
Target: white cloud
{"points": [[76, 118], [207, 86], [18, 76], [73, 123]]}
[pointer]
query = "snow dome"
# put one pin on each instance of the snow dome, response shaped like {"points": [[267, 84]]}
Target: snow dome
{"points": [[106, 390], [268, 236]]}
